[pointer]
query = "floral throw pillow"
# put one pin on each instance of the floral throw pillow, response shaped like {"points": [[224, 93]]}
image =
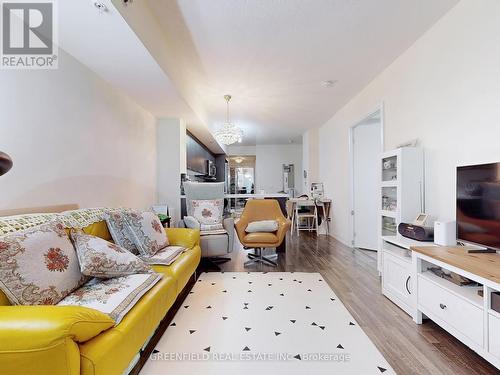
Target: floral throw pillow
{"points": [[208, 211], [103, 259], [147, 233], [39, 266], [120, 231]]}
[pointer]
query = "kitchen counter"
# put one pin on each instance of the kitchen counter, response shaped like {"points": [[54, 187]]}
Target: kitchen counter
{"points": [[257, 196]]}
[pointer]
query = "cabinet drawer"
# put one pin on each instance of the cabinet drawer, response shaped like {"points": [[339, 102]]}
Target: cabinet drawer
{"points": [[460, 314], [494, 335]]}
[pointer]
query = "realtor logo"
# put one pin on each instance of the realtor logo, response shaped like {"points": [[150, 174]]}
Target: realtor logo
{"points": [[29, 34]]}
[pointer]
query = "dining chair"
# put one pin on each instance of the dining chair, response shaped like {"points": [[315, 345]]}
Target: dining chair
{"points": [[306, 210]]}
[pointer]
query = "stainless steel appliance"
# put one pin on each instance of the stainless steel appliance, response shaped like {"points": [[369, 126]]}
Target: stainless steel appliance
{"points": [[210, 168]]}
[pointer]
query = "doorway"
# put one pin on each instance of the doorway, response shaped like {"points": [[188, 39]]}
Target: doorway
{"points": [[241, 179], [366, 141]]}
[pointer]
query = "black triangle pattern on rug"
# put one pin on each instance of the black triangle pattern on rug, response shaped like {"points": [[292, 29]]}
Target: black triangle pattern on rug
{"points": [[215, 297]]}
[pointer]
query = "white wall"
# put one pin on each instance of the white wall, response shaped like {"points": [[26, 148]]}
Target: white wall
{"points": [[310, 158], [74, 139], [269, 164], [171, 143], [444, 90]]}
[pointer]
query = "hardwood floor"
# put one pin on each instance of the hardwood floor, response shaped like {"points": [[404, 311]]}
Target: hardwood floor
{"points": [[409, 348]]}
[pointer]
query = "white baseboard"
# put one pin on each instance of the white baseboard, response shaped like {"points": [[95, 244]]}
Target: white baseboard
{"points": [[341, 239]]}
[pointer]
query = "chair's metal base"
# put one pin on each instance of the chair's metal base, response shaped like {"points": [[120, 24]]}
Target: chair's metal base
{"points": [[258, 257], [213, 263]]}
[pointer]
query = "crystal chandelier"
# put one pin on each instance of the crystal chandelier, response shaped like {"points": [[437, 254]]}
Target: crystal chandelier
{"points": [[229, 133]]}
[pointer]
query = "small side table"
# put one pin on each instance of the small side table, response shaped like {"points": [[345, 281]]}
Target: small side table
{"points": [[166, 223]]}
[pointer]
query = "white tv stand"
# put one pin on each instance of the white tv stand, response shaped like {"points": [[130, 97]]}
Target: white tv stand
{"points": [[460, 310], [398, 281]]}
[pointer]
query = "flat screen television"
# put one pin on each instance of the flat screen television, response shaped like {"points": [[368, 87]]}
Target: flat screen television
{"points": [[478, 205]]}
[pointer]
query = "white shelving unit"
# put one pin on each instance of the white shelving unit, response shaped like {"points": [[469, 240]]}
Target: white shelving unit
{"points": [[401, 191]]}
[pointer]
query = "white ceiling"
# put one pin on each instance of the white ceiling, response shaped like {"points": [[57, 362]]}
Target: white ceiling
{"points": [[104, 42], [177, 58], [272, 55]]}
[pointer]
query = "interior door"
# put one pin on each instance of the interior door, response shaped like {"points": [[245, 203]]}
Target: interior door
{"points": [[366, 138]]}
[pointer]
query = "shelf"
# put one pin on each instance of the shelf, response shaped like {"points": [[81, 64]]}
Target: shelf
{"points": [[389, 183], [405, 242], [469, 293], [391, 214], [388, 233], [398, 251]]}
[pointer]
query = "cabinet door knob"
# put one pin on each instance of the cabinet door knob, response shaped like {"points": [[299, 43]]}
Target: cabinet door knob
{"points": [[442, 306], [406, 284]]}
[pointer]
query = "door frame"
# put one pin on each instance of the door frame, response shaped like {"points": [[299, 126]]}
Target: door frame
{"points": [[379, 108]]}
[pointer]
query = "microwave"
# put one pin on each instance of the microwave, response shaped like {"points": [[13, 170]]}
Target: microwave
{"points": [[210, 169]]}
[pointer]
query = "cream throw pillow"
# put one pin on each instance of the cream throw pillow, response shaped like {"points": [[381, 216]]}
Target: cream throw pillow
{"points": [[103, 259], [147, 233], [208, 211], [39, 265], [262, 226]]}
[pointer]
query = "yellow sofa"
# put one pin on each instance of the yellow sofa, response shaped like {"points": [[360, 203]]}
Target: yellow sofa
{"points": [[71, 340]]}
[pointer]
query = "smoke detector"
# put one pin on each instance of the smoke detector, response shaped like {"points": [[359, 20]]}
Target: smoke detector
{"points": [[100, 6], [329, 83]]}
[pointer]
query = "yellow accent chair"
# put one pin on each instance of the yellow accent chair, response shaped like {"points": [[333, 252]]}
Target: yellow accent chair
{"points": [[68, 340], [258, 210]]}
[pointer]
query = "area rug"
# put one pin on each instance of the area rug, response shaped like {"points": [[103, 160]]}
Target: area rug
{"points": [[264, 323]]}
